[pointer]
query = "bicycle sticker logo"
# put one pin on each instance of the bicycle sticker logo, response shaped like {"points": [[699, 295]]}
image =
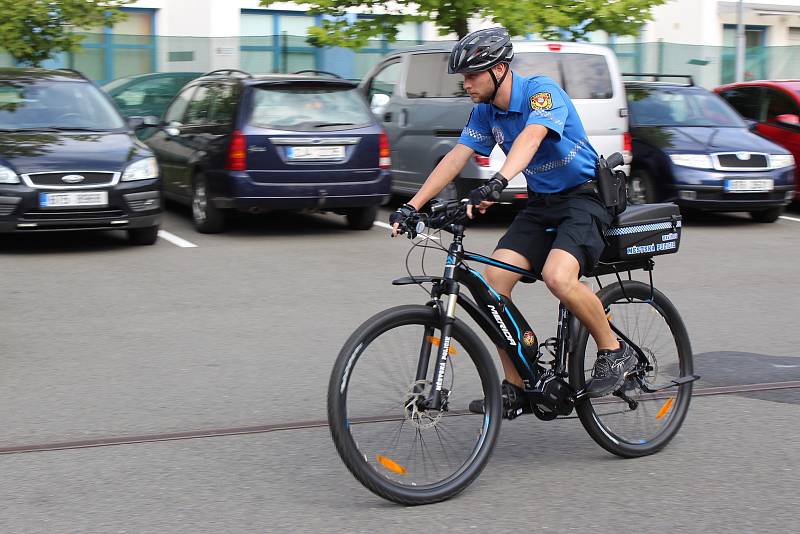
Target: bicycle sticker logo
{"points": [[528, 338], [503, 327], [498, 135]]}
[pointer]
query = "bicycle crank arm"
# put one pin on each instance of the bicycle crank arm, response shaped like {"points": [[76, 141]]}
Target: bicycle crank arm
{"points": [[672, 383]]}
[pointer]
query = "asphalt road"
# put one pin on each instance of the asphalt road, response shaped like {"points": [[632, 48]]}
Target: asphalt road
{"points": [[102, 340]]}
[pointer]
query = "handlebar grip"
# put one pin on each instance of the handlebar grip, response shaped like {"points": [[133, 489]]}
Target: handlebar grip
{"points": [[494, 196], [615, 160]]}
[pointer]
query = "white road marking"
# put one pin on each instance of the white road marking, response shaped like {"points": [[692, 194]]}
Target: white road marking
{"points": [[784, 366], [175, 240], [389, 227], [790, 218]]}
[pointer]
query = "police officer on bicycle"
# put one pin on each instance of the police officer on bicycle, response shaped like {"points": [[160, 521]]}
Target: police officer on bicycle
{"points": [[559, 233]]}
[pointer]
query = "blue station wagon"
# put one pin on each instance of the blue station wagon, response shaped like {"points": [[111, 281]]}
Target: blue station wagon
{"points": [[233, 141]]}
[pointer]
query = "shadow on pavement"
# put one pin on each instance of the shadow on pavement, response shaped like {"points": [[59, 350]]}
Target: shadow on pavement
{"points": [[63, 242], [728, 368]]}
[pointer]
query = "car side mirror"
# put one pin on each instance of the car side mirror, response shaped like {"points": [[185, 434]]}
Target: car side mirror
{"points": [[137, 123], [751, 124], [788, 118], [379, 102]]}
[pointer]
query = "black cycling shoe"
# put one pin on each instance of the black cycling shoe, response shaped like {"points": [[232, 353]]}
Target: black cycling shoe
{"points": [[610, 369], [515, 402]]}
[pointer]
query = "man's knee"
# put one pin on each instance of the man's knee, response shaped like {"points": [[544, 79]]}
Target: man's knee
{"points": [[501, 280], [560, 273]]}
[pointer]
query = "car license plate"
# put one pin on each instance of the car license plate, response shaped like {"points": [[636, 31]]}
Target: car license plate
{"points": [[315, 152], [73, 198], [748, 186]]}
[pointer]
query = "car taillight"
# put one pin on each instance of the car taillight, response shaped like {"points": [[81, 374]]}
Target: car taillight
{"points": [[237, 153], [554, 47], [482, 161], [384, 158], [627, 146]]}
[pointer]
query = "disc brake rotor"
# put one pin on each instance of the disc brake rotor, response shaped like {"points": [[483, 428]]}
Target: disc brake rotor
{"points": [[413, 406]]}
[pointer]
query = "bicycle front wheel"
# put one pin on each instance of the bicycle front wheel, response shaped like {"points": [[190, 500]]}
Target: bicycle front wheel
{"points": [[635, 421], [387, 437]]}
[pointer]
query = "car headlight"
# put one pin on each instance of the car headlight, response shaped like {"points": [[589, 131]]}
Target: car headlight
{"points": [[778, 161], [144, 169], [698, 161], [7, 176]]}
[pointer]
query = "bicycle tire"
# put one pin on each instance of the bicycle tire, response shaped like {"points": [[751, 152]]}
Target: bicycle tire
{"points": [[341, 380], [673, 410]]}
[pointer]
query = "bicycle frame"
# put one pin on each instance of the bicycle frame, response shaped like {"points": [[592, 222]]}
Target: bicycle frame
{"points": [[492, 312]]}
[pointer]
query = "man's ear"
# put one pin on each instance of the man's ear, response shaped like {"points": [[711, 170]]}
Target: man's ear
{"points": [[499, 69]]}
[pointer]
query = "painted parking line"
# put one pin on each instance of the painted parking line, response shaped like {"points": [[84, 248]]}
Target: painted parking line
{"points": [[175, 240], [795, 219], [389, 227]]}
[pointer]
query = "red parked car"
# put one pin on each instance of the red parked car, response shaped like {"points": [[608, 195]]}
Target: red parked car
{"points": [[773, 106]]}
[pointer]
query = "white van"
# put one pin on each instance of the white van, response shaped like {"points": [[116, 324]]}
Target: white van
{"points": [[424, 109], [591, 77]]}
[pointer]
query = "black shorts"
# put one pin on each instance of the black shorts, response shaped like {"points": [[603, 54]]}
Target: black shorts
{"points": [[572, 221]]}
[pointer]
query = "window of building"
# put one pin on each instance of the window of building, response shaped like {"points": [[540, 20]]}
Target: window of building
{"points": [[126, 49], [275, 41]]}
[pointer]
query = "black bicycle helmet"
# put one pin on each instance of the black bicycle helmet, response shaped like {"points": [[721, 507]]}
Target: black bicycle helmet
{"points": [[481, 50]]}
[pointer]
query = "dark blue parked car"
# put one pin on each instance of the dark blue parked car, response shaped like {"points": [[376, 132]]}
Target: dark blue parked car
{"points": [[69, 161], [691, 147], [232, 141]]}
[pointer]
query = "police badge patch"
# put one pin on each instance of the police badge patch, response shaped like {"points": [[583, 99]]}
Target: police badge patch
{"points": [[541, 101], [498, 135]]}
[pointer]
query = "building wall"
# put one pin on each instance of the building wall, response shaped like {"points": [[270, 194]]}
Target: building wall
{"points": [[701, 21]]}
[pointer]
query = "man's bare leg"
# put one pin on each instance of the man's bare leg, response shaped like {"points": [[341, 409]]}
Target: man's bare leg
{"points": [[503, 282], [561, 273]]}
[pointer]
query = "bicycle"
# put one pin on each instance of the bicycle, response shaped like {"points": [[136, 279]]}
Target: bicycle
{"points": [[397, 414]]}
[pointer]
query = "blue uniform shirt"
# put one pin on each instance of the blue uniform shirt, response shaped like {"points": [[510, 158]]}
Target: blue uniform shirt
{"points": [[565, 157]]}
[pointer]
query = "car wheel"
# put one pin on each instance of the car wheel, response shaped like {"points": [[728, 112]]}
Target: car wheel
{"points": [[206, 217], [641, 188], [143, 236], [767, 216], [361, 218]]}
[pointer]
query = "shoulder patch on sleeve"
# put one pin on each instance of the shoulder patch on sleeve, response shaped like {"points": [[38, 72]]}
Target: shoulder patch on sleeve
{"points": [[542, 101]]}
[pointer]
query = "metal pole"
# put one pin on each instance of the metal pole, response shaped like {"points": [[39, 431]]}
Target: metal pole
{"points": [[740, 42]]}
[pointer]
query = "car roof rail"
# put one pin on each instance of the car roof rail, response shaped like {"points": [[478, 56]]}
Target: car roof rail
{"points": [[75, 71], [314, 71], [224, 72], [657, 77]]}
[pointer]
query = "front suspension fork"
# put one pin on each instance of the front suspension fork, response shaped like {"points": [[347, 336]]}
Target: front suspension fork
{"points": [[435, 399]]}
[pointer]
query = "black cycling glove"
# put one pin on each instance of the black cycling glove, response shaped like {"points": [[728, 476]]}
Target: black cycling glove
{"points": [[489, 191], [401, 215]]}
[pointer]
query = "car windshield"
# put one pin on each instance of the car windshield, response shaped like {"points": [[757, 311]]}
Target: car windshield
{"points": [[56, 105], [308, 108], [119, 82], [679, 107]]}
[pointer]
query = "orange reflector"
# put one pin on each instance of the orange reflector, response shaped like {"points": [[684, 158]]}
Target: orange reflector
{"points": [[435, 341], [391, 465], [664, 409], [608, 316]]}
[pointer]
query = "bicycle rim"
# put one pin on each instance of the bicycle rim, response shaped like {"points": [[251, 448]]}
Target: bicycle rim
{"points": [[654, 417], [401, 446]]}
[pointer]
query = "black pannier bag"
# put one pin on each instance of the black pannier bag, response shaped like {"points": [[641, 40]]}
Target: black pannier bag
{"points": [[642, 231]]}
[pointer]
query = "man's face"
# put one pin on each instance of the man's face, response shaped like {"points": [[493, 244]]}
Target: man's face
{"points": [[479, 85]]}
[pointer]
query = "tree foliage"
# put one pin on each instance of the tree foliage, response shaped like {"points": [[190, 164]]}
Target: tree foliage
{"points": [[32, 31], [550, 19]]}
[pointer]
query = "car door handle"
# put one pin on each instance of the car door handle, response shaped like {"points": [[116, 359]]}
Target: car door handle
{"points": [[403, 121]]}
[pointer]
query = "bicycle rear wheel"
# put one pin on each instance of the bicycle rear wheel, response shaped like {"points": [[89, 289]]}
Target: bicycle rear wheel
{"points": [[652, 322], [386, 437]]}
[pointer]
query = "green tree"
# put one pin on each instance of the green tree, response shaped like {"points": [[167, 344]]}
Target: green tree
{"points": [[551, 19], [32, 31]]}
